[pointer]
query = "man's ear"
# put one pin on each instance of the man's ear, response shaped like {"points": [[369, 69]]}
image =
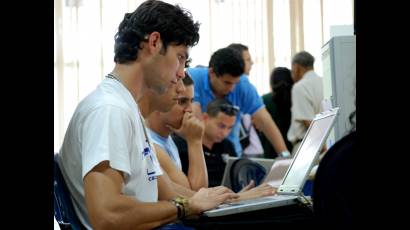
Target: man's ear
{"points": [[154, 42], [211, 72], [294, 73]]}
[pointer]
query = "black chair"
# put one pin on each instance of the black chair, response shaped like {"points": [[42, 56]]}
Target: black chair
{"points": [[243, 171], [63, 207]]}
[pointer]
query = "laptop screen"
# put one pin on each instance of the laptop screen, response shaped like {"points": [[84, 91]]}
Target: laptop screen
{"points": [[308, 150], [277, 172]]}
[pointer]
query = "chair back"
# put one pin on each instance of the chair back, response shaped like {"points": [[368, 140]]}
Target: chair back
{"points": [[243, 171], [63, 207]]}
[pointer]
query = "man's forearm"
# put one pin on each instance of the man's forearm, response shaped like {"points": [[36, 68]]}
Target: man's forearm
{"points": [[197, 171], [181, 190], [275, 137], [109, 209], [168, 189], [268, 127], [143, 215]]}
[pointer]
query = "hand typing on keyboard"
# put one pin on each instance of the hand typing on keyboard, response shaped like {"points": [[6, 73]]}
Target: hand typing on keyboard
{"points": [[255, 192]]}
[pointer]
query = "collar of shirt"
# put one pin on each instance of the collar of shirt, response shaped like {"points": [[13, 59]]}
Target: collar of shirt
{"points": [[207, 87], [156, 135], [310, 74]]}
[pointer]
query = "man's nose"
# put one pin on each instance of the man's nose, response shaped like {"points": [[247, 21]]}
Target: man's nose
{"points": [[188, 108], [181, 72]]}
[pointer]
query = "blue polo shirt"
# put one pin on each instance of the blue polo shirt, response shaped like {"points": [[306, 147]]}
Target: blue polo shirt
{"points": [[244, 95]]}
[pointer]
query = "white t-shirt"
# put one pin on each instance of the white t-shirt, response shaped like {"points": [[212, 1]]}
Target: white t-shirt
{"points": [[307, 96], [107, 126]]}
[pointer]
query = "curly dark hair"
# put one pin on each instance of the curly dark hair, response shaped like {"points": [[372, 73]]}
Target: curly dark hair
{"points": [[227, 60], [174, 23]]}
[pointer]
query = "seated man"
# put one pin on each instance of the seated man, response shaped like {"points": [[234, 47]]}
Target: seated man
{"points": [[219, 119], [107, 159], [180, 120]]}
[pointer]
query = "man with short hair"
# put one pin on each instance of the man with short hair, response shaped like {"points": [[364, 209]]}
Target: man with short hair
{"points": [[180, 120], [107, 158], [219, 119], [307, 96], [223, 80]]}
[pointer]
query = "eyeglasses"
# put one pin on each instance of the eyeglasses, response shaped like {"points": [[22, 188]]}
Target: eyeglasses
{"points": [[229, 109], [185, 101]]}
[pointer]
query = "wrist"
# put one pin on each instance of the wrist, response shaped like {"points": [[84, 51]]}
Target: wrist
{"points": [[194, 141], [183, 206], [194, 208], [285, 154], [179, 209]]}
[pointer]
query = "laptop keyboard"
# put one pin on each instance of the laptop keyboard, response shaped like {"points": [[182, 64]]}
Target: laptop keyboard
{"points": [[252, 201]]}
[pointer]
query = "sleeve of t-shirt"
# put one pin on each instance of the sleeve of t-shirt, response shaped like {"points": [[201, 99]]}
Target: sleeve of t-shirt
{"points": [[251, 102], [106, 136], [302, 107]]}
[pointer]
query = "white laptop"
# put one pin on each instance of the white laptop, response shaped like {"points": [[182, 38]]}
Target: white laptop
{"points": [[290, 189], [278, 171]]}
